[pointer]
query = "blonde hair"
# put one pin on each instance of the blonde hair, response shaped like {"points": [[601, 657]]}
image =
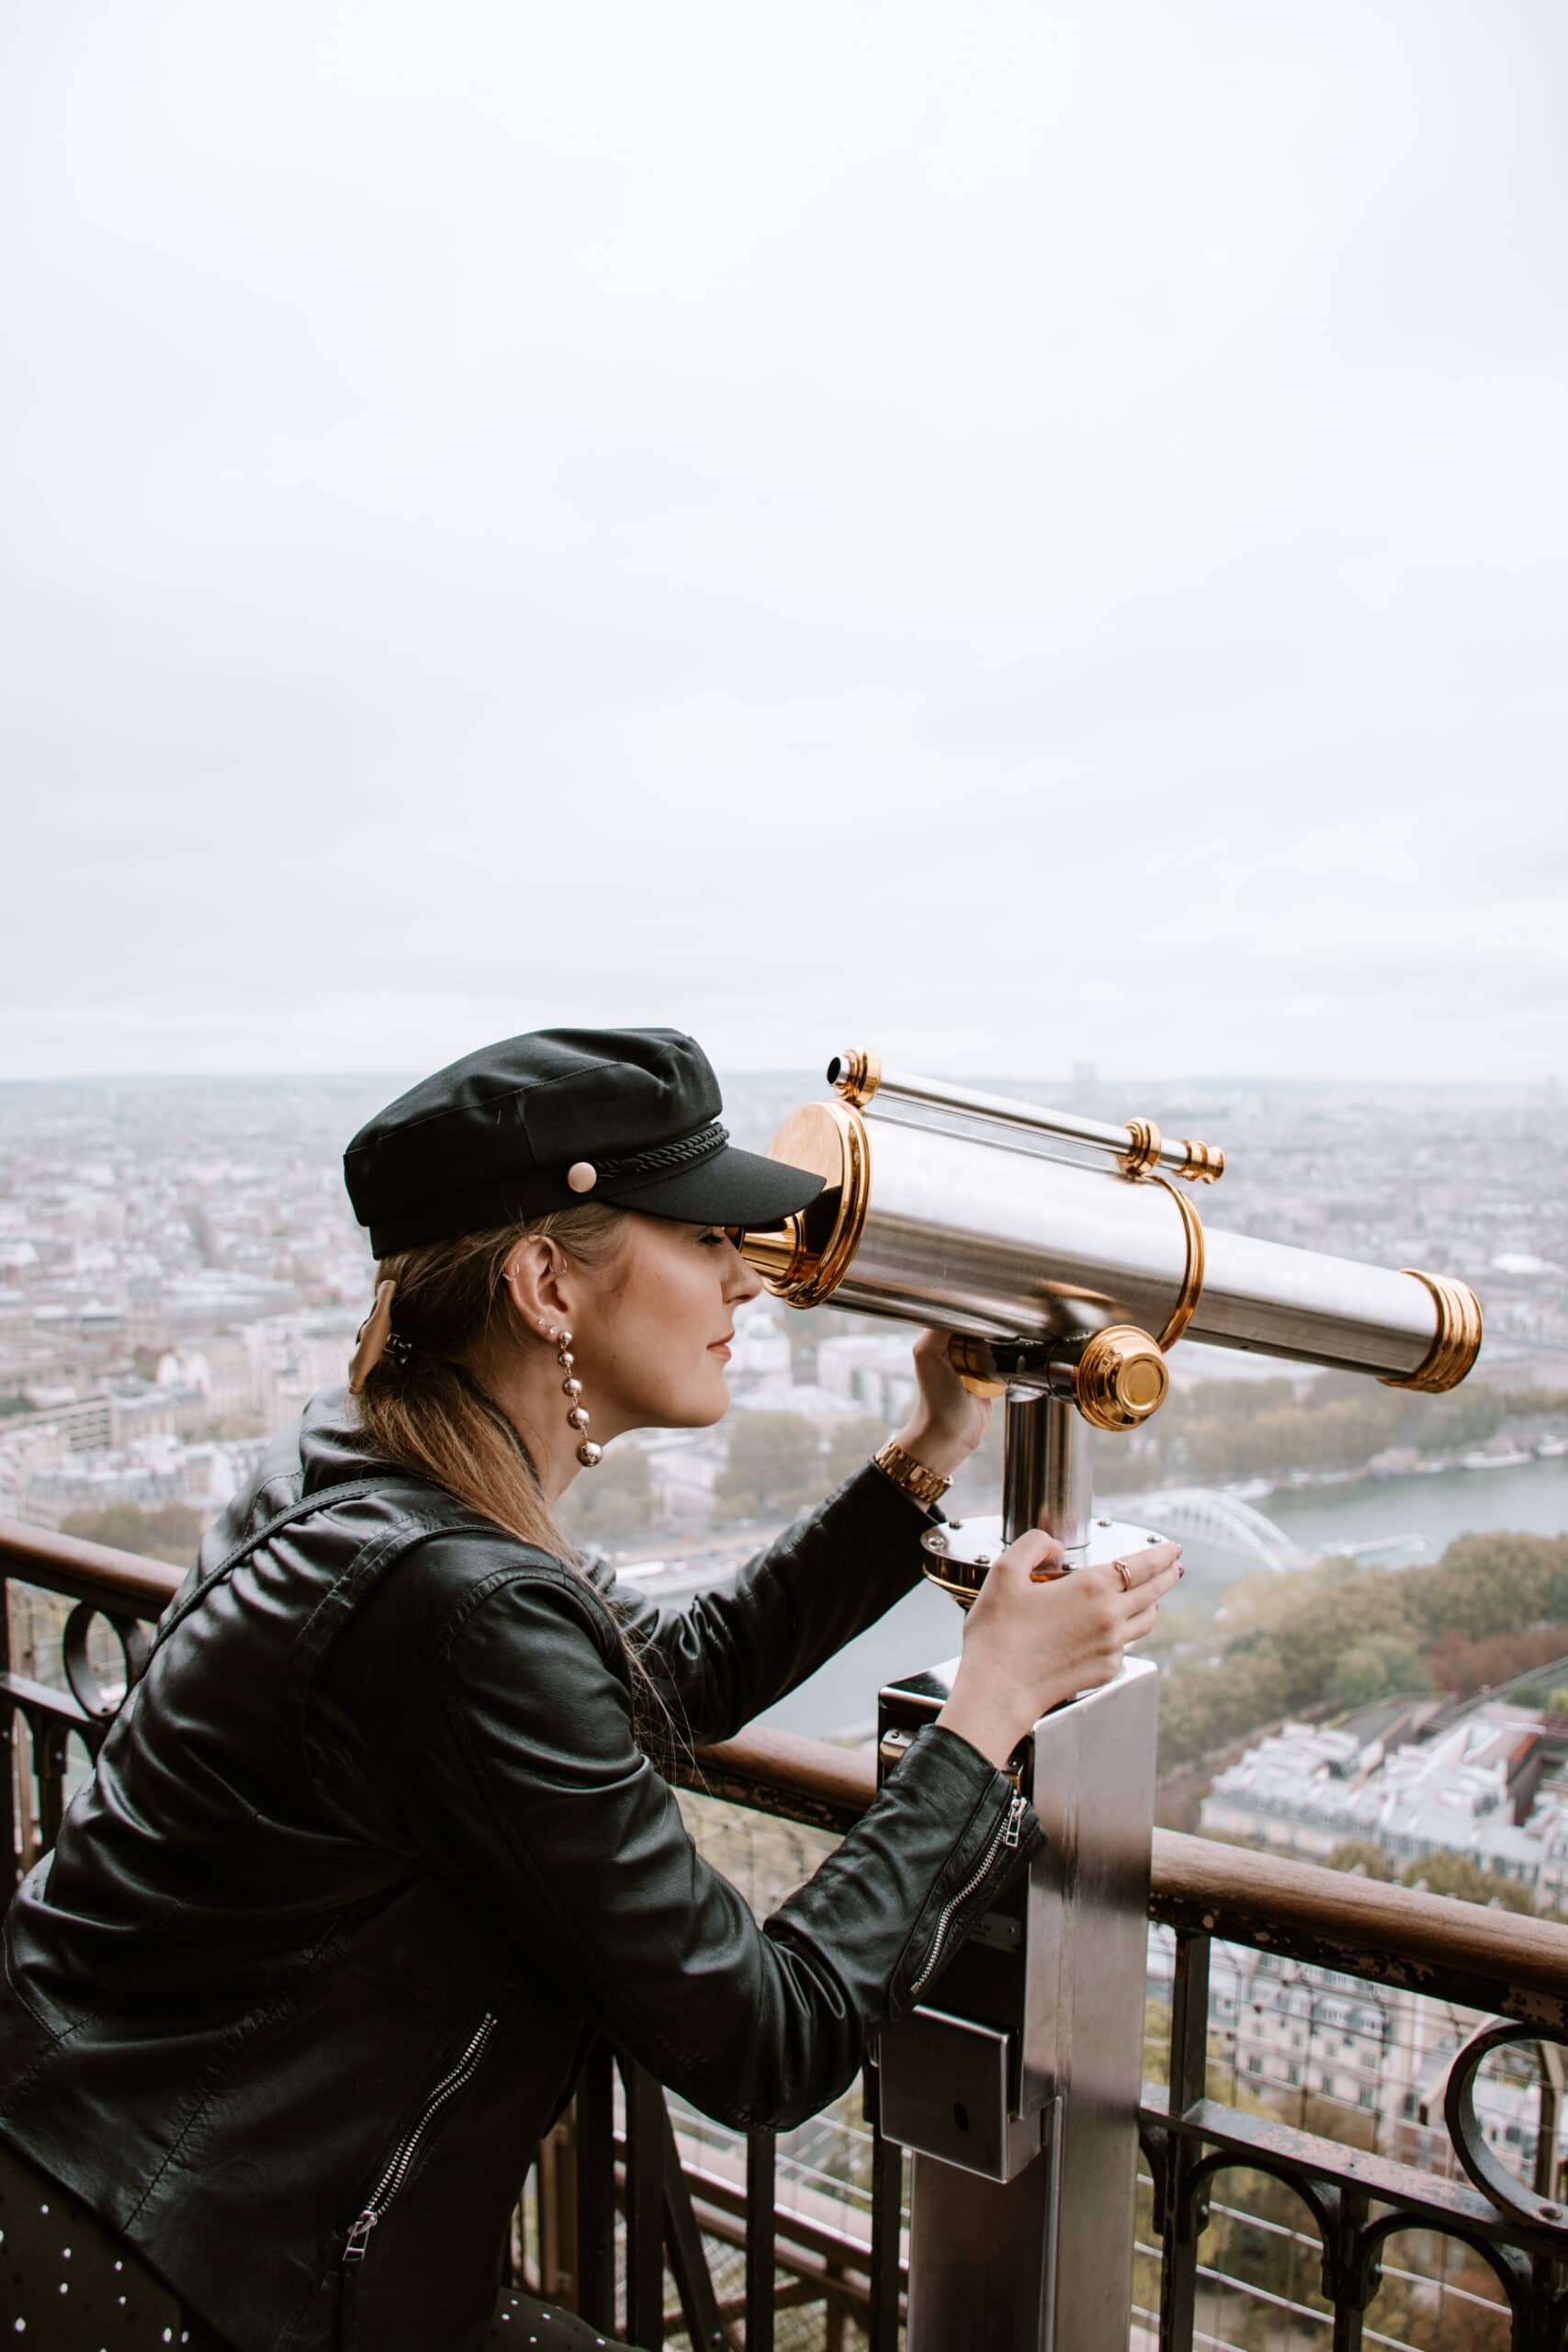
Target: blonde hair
{"points": [[426, 1413], [423, 1411]]}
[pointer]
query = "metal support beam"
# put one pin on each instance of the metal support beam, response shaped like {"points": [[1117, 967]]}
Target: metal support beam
{"points": [[886, 2231], [688, 2262], [760, 2280], [1189, 2083], [594, 2128], [644, 2206], [1047, 1474], [1015, 2081]]}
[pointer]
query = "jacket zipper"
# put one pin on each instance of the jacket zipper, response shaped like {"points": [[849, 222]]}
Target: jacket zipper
{"points": [[393, 2180], [1007, 1833]]}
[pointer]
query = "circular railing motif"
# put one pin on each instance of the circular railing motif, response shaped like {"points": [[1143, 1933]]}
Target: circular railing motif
{"points": [[1465, 2130], [135, 1646]]}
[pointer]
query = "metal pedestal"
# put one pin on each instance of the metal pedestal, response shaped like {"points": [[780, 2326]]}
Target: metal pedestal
{"points": [[1015, 2082]]}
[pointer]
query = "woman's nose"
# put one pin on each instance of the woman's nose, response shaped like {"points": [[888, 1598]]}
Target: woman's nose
{"points": [[744, 1281]]}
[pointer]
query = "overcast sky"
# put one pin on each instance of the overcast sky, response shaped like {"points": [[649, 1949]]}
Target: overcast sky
{"points": [[1020, 533]]}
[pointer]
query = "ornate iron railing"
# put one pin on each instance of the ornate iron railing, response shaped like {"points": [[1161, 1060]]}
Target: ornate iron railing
{"points": [[626, 2213]]}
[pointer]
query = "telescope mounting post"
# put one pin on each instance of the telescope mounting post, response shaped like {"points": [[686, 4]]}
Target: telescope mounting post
{"points": [[1015, 2083], [1047, 1475]]}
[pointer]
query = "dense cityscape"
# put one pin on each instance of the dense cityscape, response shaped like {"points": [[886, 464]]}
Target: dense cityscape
{"points": [[179, 1268], [179, 1273]]}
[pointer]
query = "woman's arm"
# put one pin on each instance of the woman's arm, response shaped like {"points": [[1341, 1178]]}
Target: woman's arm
{"points": [[489, 1693], [518, 1772], [726, 1657]]}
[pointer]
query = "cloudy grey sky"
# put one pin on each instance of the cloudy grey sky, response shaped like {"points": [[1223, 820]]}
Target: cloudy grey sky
{"points": [[1022, 533]]}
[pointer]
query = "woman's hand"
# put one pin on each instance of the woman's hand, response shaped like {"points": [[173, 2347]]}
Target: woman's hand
{"points": [[947, 1423], [1028, 1642]]}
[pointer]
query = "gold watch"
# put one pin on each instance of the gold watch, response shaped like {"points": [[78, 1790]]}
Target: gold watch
{"points": [[926, 1486]]}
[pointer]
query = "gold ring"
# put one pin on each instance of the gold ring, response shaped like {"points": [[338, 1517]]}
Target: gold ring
{"points": [[1121, 1568]]}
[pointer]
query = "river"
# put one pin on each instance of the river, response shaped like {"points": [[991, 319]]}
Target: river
{"points": [[842, 1697]]}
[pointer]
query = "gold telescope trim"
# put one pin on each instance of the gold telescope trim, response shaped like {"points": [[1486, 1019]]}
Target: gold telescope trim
{"points": [[857, 1078], [1458, 1340], [804, 1260], [1192, 1291], [961, 1579], [1144, 1150], [1121, 1377], [1117, 1376], [976, 1366], [1204, 1163]]}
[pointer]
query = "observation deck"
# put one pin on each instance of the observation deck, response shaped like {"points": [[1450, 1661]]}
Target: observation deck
{"points": [[1320, 2167]]}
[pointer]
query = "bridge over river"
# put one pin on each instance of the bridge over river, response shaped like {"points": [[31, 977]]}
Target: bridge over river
{"points": [[1388, 1520], [1207, 1515]]}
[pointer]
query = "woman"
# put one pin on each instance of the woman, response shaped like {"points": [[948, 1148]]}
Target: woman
{"points": [[376, 1849]]}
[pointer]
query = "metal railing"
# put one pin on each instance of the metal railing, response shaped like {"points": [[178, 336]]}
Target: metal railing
{"points": [[627, 2208]]}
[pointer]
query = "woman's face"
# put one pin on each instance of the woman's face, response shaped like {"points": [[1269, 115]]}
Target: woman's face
{"points": [[653, 1343]]}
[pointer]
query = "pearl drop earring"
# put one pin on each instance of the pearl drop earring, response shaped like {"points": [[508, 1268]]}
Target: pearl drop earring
{"points": [[588, 1454]]}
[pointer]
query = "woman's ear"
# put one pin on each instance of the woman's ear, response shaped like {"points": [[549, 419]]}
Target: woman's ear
{"points": [[533, 1274]]}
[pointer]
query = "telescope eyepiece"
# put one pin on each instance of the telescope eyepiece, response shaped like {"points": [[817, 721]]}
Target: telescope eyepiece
{"points": [[855, 1075]]}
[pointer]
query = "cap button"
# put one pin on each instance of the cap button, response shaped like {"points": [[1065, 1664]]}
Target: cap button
{"points": [[582, 1175]]}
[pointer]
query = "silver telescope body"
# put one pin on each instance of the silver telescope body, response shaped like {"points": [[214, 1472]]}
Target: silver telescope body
{"points": [[1065, 1256], [1001, 1222]]}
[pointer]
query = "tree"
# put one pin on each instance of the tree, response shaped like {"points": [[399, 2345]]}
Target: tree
{"points": [[1491, 1583], [1226, 1429], [1376, 1669], [162, 1531], [1461, 1417], [1354, 1855], [1457, 1876], [1465, 1668], [774, 1466], [1493, 1607]]}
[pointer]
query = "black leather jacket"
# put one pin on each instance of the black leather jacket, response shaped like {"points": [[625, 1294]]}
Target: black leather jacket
{"points": [[372, 1853]]}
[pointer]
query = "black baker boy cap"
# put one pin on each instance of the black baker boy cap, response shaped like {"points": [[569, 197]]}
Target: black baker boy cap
{"points": [[555, 1119]]}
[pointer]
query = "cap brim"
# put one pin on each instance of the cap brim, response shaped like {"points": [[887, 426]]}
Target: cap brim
{"points": [[732, 1188]]}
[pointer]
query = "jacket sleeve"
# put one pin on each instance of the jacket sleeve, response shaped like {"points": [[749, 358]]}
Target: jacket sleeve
{"points": [[520, 1776], [724, 1656]]}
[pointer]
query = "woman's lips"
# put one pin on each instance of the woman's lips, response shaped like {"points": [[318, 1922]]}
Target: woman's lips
{"points": [[721, 1347]]}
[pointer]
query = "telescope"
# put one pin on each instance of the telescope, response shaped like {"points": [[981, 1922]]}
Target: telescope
{"points": [[1066, 1257]]}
